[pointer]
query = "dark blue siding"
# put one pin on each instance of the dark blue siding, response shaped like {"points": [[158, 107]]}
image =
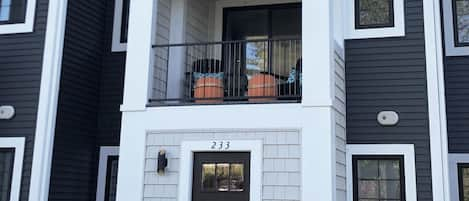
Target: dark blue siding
{"points": [[389, 74], [20, 80]]}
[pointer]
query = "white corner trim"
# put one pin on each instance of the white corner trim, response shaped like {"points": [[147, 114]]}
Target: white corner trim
{"points": [[104, 154], [451, 49], [117, 46], [397, 31], [406, 150], [48, 98], [18, 144], [454, 160], [27, 26], [436, 100], [187, 160]]}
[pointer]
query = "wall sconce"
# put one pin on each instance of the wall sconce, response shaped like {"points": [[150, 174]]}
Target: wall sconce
{"points": [[162, 162]]}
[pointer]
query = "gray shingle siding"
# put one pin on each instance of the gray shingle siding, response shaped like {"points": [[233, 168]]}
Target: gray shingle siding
{"points": [[390, 74], [20, 79], [457, 103]]}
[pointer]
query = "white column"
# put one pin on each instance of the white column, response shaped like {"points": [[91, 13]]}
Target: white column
{"points": [[139, 64], [176, 54], [317, 53]]}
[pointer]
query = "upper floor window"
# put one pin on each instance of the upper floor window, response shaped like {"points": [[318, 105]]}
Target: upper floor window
{"points": [[456, 21], [12, 11], [11, 165], [375, 19], [6, 172], [121, 23], [16, 16], [374, 14], [463, 175]]}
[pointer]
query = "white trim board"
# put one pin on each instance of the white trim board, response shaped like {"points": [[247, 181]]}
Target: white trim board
{"points": [[396, 31], [187, 160], [451, 49], [436, 99], [117, 46], [18, 145], [25, 27], [48, 99], [406, 150], [104, 154]]}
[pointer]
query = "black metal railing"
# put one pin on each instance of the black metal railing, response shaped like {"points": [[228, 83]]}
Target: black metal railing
{"points": [[250, 71]]}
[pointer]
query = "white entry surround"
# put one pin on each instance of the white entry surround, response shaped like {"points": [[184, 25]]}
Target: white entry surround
{"points": [[316, 126]]}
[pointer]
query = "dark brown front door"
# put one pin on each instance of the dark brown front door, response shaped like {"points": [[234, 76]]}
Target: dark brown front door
{"points": [[221, 176]]}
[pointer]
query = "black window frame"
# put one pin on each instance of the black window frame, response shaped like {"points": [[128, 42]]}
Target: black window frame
{"points": [[109, 161], [356, 158], [18, 18], [12, 166], [125, 21], [461, 167], [455, 26], [391, 23]]}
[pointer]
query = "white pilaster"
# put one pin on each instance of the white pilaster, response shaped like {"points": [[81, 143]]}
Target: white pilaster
{"points": [[139, 64], [318, 50]]}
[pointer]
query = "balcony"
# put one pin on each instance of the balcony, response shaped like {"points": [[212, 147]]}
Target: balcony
{"points": [[228, 72]]}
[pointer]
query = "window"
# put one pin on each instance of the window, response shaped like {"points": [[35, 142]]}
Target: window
{"points": [[6, 172], [374, 19], [222, 177], [107, 174], [381, 172], [121, 23], [456, 26], [378, 178], [463, 181], [16, 16], [374, 14], [461, 22], [11, 166]]}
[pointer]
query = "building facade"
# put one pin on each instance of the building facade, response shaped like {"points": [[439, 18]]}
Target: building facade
{"points": [[241, 100]]}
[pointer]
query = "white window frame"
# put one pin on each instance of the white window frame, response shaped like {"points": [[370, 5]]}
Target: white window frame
{"points": [[397, 31], [454, 160], [27, 26], [451, 49], [406, 150], [117, 45], [187, 164], [18, 145], [104, 154]]}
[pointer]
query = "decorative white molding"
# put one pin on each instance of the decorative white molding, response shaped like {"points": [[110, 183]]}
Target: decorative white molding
{"points": [[436, 100], [18, 145], [398, 30], [27, 26], [48, 98], [451, 49], [117, 45], [104, 154], [406, 150], [187, 160]]}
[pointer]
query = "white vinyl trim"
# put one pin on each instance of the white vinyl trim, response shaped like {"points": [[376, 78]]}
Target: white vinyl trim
{"points": [[451, 49], [436, 99], [48, 99], [406, 150], [187, 160], [18, 145], [104, 154], [398, 30], [454, 160], [27, 26], [117, 45]]}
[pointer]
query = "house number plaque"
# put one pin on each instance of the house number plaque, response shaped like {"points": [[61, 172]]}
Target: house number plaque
{"points": [[220, 145]]}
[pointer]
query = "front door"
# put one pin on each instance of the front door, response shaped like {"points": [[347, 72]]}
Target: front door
{"points": [[221, 176]]}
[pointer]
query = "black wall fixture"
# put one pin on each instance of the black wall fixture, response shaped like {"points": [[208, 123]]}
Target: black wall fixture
{"points": [[162, 162]]}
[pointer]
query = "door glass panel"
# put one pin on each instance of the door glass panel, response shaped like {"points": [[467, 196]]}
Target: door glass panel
{"points": [[256, 56], [237, 177], [208, 177], [223, 175]]}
